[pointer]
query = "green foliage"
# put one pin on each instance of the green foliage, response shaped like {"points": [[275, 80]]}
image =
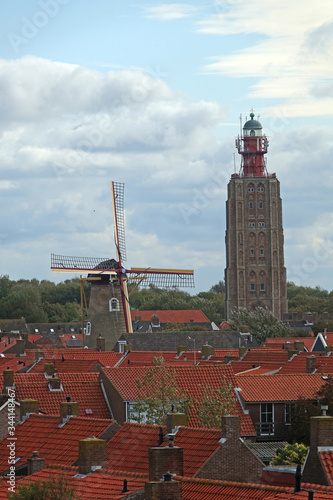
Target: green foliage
{"points": [[52, 489], [290, 454], [182, 327], [260, 322], [158, 391], [325, 394], [214, 403], [41, 302], [301, 413], [304, 298], [218, 288]]}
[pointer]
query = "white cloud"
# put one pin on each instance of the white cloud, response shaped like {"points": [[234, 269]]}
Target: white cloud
{"points": [[293, 56], [169, 12]]}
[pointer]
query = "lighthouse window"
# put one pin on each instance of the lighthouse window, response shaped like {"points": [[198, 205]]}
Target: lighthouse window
{"points": [[114, 305], [261, 204], [252, 133]]}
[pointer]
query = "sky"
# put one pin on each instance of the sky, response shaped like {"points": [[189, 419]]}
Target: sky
{"points": [[150, 94]]}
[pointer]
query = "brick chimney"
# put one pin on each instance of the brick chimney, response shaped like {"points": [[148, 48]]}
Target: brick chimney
{"points": [[155, 320], [207, 351], [329, 348], [167, 489], [228, 358], [299, 345], [242, 351], [128, 347], [68, 409], [20, 347], [24, 336], [180, 349], [310, 364], [230, 426], [8, 379], [28, 406], [321, 439], [165, 459], [49, 369], [100, 343], [35, 464], [291, 352], [39, 354], [321, 433], [174, 420], [92, 453], [54, 384]]}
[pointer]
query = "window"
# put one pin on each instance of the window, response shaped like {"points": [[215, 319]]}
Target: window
{"points": [[114, 305], [261, 252], [253, 287], [288, 408], [266, 419], [261, 189], [251, 252], [262, 287], [250, 188], [252, 224], [261, 205], [251, 205], [261, 224], [88, 328]]}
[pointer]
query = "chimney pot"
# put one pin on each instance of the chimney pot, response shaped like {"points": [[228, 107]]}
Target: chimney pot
{"points": [[92, 453], [125, 489], [174, 420], [8, 379], [68, 409], [35, 464]]}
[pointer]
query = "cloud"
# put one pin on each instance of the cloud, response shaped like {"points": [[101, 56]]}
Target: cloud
{"points": [[295, 52], [169, 12]]}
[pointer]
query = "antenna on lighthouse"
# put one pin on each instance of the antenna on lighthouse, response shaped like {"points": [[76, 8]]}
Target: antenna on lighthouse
{"points": [[240, 124], [234, 163]]}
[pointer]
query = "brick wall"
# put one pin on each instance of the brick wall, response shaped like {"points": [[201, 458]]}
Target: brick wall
{"points": [[321, 435], [114, 398], [233, 460]]}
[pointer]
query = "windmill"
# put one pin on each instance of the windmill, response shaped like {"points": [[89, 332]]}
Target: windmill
{"points": [[109, 308]]}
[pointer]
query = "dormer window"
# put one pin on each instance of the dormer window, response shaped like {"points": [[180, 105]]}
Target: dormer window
{"points": [[114, 305]]}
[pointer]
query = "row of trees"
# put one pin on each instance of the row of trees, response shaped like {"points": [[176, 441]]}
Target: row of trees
{"points": [[44, 301]]}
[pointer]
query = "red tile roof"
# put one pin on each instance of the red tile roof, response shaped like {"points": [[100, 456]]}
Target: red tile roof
{"points": [[326, 458], [324, 363], [69, 336], [279, 343], [15, 363], [191, 379], [6, 343], [128, 449], [83, 388], [278, 387], [99, 485], [265, 356], [173, 316], [67, 366], [55, 444], [145, 358], [106, 358]]}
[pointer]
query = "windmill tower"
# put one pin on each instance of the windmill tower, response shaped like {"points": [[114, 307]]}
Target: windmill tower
{"points": [[109, 306], [255, 274]]}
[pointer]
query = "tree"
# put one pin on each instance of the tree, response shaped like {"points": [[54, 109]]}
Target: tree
{"points": [[158, 391], [214, 403], [291, 454], [58, 488], [260, 321], [325, 394], [301, 413], [218, 288]]}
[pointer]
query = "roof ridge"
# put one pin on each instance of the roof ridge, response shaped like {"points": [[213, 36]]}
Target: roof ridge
{"points": [[218, 482]]}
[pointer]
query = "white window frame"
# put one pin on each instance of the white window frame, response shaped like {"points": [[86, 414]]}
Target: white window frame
{"points": [[261, 421], [115, 301]]}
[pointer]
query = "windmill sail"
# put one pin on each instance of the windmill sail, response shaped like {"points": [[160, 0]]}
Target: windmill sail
{"points": [[117, 190]]}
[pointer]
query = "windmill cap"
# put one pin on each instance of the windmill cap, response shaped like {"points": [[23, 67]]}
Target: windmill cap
{"points": [[252, 124]]}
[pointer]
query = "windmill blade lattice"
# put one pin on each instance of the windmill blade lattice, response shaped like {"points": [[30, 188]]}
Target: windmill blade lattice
{"points": [[81, 264], [118, 193], [163, 278]]}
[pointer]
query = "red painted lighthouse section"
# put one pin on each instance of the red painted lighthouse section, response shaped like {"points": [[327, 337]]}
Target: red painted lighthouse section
{"points": [[252, 145]]}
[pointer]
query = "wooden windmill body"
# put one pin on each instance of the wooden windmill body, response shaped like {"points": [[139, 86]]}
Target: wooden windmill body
{"points": [[109, 312]]}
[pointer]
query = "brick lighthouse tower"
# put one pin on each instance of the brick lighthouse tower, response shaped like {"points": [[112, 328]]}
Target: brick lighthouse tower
{"points": [[255, 275]]}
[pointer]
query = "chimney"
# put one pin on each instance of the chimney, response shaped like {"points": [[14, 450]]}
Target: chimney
{"points": [[231, 427], [39, 354], [174, 420], [291, 352], [92, 454], [321, 433], [54, 384], [28, 406], [165, 459], [228, 358], [24, 336], [68, 409], [241, 352], [49, 369], [35, 464], [137, 317], [329, 348], [180, 349], [207, 351], [167, 489], [155, 321], [299, 345], [128, 347], [20, 347], [310, 364], [8, 379], [100, 343], [298, 478]]}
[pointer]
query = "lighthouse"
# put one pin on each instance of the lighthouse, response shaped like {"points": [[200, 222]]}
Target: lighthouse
{"points": [[255, 275]]}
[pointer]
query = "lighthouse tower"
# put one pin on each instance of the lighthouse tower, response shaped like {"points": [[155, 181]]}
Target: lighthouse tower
{"points": [[255, 275]]}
